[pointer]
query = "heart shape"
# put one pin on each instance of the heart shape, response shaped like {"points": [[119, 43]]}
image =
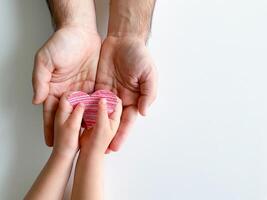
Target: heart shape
{"points": [[91, 104]]}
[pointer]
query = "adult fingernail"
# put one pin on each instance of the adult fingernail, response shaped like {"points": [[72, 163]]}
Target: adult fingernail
{"points": [[108, 151]]}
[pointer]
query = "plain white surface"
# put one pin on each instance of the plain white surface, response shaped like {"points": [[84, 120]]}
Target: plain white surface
{"points": [[205, 137]]}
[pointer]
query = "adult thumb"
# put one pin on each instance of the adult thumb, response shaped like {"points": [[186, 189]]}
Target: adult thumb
{"points": [[41, 77], [148, 91]]}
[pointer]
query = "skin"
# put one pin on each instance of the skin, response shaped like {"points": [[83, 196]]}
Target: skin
{"points": [[126, 68], [125, 65], [52, 181], [88, 180], [68, 60], [71, 60]]}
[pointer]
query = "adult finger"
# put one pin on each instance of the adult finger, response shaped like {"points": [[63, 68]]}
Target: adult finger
{"points": [[41, 76], [148, 91], [115, 116], [128, 118], [49, 111]]}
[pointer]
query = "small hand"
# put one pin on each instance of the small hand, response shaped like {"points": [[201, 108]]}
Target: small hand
{"points": [[52, 180], [126, 68], [67, 61], [97, 139], [67, 128]]}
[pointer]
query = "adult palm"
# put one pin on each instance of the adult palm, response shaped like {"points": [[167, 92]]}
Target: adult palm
{"points": [[126, 68], [67, 61]]}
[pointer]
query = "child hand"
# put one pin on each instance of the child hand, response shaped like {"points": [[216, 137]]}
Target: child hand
{"points": [[97, 139], [67, 127]]}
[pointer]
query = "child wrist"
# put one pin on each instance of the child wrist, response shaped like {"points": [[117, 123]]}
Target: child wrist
{"points": [[63, 155], [90, 154]]}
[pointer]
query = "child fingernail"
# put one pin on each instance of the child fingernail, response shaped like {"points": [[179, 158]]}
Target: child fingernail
{"points": [[81, 105], [103, 101]]}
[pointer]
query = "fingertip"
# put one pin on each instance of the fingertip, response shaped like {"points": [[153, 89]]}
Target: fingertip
{"points": [[102, 106], [38, 99], [77, 114], [102, 103], [114, 146], [143, 111], [49, 110], [80, 107], [35, 101], [108, 151], [102, 114], [48, 133], [49, 143], [64, 110], [142, 107]]}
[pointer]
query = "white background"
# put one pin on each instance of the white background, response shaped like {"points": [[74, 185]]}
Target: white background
{"points": [[205, 137]]}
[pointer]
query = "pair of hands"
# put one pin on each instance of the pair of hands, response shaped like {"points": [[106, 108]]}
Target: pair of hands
{"points": [[74, 58], [68, 140], [92, 142]]}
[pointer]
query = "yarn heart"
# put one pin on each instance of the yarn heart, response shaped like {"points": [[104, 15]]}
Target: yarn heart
{"points": [[91, 104]]}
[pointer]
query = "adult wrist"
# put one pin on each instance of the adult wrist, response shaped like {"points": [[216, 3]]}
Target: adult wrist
{"points": [[73, 13], [130, 39], [131, 18]]}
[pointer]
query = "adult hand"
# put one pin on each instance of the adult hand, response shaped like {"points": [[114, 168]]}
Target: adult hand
{"points": [[126, 68], [67, 61]]}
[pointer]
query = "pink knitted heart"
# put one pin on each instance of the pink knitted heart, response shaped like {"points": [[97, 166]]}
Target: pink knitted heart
{"points": [[91, 104]]}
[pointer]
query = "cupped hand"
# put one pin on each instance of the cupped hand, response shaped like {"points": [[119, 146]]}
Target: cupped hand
{"points": [[67, 61], [126, 68]]}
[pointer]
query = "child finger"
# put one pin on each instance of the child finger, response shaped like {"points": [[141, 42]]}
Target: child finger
{"points": [[102, 114], [75, 118], [64, 110]]}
